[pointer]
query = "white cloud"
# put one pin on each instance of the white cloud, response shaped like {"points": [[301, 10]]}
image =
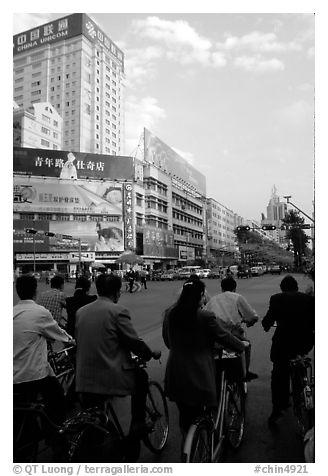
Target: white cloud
{"points": [[140, 113], [177, 32], [182, 42], [257, 64], [140, 64], [259, 42]]}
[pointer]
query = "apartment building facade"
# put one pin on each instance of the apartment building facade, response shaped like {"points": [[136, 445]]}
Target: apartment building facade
{"points": [[72, 64], [39, 127]]}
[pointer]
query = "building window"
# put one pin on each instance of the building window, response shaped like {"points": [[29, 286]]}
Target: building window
{"points": [[45, 130], [45, 143]]}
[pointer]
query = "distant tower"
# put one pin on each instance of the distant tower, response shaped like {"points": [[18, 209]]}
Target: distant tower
{"points": [[276, 212]]}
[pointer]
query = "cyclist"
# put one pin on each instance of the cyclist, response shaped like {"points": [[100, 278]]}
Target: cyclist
{"points": [[81, 298], [104, 366], [233, 309], [190, 332], [33, 325], [293, 312], [54, 299]]}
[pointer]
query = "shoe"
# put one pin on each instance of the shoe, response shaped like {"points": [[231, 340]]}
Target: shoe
{"points": [[250, 376], [275, 415]]}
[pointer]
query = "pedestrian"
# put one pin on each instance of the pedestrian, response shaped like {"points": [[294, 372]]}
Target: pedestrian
{"points": [[190, 332], [293, 313], [131, 278], [143, 278], [80, 298], [33, 375], [55, 300], [104, 366], [233, 309]]}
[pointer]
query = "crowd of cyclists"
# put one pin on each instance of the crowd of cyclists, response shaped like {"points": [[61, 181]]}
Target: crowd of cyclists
{"points": [[105, 340]]}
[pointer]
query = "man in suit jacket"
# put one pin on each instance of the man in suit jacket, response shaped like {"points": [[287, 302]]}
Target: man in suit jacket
{"points": [[293, 313], [105, 339]]}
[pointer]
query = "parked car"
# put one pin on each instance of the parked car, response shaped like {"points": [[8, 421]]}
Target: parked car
{"points": [[275, 269], [204, 272], [244, 272], [256, 271], [155, 275], [168, 275]]}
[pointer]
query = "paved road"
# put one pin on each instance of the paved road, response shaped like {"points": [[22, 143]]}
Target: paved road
{"points": [[260, 443]]}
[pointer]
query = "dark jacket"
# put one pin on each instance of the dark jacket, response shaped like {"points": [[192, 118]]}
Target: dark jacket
{"points": [[190, 370], [105, 339], [74, 303], [293, 312]]}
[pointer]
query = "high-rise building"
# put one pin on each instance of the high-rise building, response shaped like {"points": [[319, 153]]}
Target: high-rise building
{"points": [[72, 64], [276, 212]]}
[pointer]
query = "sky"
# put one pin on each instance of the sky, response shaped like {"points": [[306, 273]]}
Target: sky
{"points": [[233, 93]]}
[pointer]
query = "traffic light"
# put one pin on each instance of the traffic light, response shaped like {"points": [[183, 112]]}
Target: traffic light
{"points": [[269, 227], [66, 237], [284, 227], [243, 228], [33, 231], [306, 226], [49, 233]]}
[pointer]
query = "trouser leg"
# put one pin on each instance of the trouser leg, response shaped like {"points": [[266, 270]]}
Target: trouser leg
{"points": [[138, 400], [280, 381], [54, 399], [248, 356]]}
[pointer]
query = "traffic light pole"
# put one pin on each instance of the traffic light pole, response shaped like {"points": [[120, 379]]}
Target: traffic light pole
{"points": [[34, 267], [287, 197]]}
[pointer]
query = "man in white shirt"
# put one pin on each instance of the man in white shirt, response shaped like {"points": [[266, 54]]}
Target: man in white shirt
{"points": [[233, 309], [33, 325]]}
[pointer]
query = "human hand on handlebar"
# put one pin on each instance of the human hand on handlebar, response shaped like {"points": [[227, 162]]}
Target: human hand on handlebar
{"points": [[246, 343], [156, 354]]}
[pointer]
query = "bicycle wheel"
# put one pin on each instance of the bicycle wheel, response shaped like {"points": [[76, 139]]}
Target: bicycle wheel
{"points": [[303, 415], [157, 415], [235, 414], [198, 443]]}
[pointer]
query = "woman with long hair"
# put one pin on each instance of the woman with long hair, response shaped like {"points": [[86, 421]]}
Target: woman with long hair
{"points": [[190, 333]]}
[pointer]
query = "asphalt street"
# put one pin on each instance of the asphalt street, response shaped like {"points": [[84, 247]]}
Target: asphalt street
{"points": [[260, 444]]}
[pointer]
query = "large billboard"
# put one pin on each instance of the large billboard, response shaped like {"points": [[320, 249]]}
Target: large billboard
{"points": [[100, 236], [68, 165], [161, 155], [77, 197], [62, 29], [158, 243]]}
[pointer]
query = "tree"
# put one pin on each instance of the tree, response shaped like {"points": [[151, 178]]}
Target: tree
{"points": [[296, 235]]}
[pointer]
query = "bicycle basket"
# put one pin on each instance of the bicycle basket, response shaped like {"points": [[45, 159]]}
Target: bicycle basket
{"points": [[234, 365]]}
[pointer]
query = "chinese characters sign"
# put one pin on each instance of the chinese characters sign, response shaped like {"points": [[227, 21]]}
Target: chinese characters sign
{"points": [[72, 165], [158, 243], [51, 196], [62, 29], [128, 216]]}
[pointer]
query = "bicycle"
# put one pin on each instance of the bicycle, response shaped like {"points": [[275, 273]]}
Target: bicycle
{"points": [[92, 435], [302, 389], [206, 437]]}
